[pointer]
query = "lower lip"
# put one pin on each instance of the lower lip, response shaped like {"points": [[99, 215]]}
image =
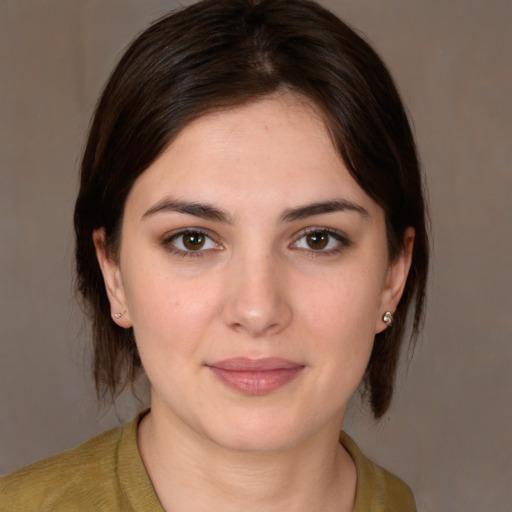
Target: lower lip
{"points": [[256, 382]]}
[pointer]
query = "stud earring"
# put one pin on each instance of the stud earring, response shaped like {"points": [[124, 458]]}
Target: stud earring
{"points": [[388, 318], [119, 315]]}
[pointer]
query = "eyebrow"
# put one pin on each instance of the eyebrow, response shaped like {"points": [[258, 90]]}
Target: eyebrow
{"points": [[201, 210], [334, 205], [209, 212]]}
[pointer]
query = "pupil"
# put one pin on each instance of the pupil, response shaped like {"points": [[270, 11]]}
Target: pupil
{"points": [[193, 241], [317, 240]]}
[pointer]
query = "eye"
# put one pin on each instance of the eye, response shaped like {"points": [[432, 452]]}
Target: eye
{"points": [[321, 240], [190, 241]]}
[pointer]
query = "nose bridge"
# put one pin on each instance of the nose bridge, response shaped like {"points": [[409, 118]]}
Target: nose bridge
{"points": [[257, 301]]}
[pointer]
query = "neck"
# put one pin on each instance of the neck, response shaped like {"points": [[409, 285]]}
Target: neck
{"points": [[190, 472]]}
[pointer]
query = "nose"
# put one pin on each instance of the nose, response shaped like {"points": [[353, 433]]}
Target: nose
{"points": [[257, 300]]}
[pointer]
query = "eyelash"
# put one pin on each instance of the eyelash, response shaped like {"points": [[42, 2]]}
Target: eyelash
{"points": [[341, 238], [343, 242], [168, 243]]}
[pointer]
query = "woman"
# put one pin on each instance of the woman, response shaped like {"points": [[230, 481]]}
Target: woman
{"points": [[250, 231]]}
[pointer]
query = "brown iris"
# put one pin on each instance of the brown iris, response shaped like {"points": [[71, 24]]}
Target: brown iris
{"points": [[193, 241], [317, 240]]}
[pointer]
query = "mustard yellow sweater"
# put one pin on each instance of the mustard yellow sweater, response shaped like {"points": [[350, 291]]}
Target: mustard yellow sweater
{"points": [[107, 474]]}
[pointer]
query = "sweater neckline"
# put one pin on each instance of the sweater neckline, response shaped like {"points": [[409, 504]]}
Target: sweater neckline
{"points": [[138, 489]]}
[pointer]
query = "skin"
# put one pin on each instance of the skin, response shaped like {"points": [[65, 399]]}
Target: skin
{"points": [[258, 287]]}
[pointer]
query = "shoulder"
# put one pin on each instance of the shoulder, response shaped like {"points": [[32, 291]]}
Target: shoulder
{"points": [[67, 481], [378, 490]]}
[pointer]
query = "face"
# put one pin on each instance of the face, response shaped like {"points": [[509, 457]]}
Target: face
{"points": [[254, 271]]}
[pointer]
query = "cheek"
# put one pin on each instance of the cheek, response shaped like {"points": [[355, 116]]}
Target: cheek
{"points": [[348, 300], [169, 314], [341, 319]]}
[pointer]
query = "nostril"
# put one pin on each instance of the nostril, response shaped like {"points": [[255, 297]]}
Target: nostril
{"points": [[256, 303]]}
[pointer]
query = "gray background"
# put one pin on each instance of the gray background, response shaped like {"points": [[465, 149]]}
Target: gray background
{"points": [[448, 433]]}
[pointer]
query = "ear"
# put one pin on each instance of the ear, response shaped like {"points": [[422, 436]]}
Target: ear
{"points": [[395, 279], [113, 281]]}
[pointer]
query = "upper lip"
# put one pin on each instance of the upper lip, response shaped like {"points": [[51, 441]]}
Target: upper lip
{"points": [[246, 364]]}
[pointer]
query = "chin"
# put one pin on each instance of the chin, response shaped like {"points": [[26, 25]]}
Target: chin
{"points": [[256, 442], [253, 432]]}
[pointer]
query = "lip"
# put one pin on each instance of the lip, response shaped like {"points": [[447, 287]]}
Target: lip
{"points": [[255, 376]]}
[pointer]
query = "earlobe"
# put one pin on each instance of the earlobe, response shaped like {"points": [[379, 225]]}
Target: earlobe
{"points": [[112, 280], [395, 282]]}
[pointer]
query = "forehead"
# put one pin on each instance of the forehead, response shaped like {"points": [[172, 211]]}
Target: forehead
{"points": [[274, 151]]}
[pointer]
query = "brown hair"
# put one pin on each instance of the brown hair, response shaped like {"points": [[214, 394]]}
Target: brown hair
{"points": [[223, 53]]}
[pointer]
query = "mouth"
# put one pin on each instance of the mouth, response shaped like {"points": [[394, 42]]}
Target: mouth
{"points": [[255, 376]]}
